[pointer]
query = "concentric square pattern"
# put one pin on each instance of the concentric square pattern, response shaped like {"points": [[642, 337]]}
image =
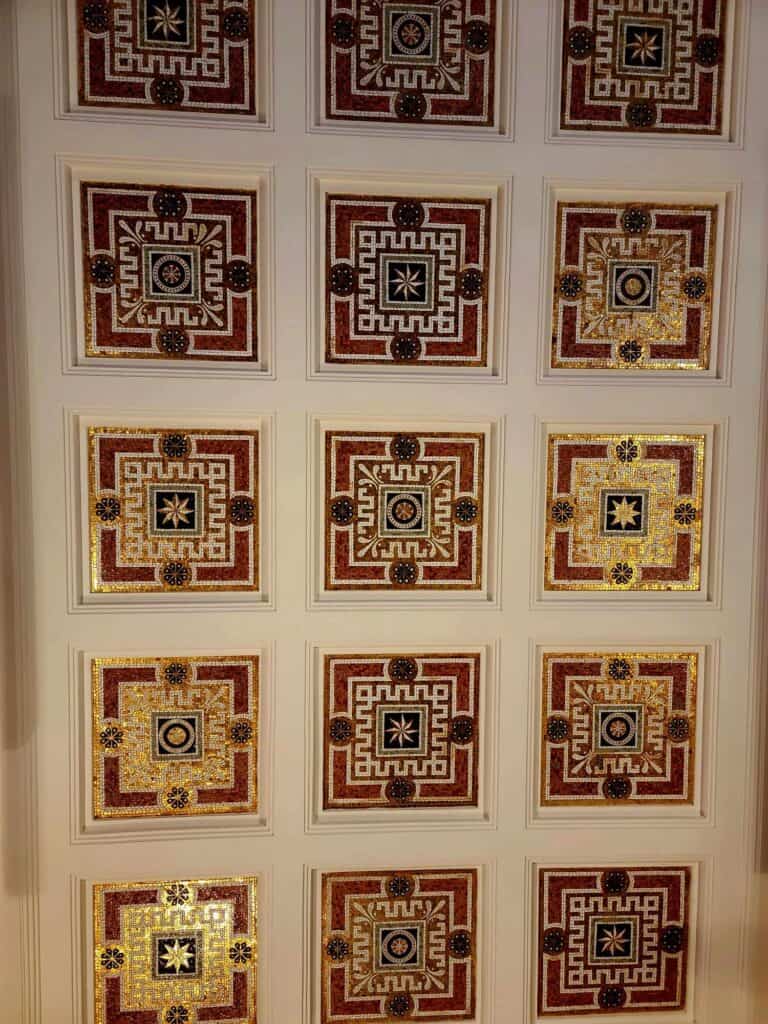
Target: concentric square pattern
{"points": [[399, 944], [169, 272], [644, 67], [404, 511], [400, 731], [411, 63], [407, 280], [175, 736], [173, 510], [167, 55], [176, 952], [624, 512], [633, 285], [613, 940], [618, 728]]}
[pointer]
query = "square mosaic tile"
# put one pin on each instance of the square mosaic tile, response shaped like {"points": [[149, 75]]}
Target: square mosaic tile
{"points": [[169, 272], [167, 55], [173, 510], [174, 736], [644, 67], [624, 512], [411, 63], [633, 285], [618, 728], [407, 280], [404, 511], [399, 944], [401, 730], [613, 940], [176, 952]]}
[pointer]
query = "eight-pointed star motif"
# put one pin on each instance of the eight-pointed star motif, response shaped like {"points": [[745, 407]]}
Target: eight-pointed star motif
{"points": [[402, 732], [175, 511], [624, 513], [176, 955], [407, 282], [614, 941], [167, 20], [644, 46]]}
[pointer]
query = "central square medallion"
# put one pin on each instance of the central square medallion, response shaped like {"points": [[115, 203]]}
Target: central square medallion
{"points": [[612, 940], [167, 24], [624, 512], [632, 286], [177, 737], [411, 33], [644, 46], [400, 947], [173, 510], [406, 282], [617, 728], [401, 729], [404, 511], [172, 271], [178, 955]]}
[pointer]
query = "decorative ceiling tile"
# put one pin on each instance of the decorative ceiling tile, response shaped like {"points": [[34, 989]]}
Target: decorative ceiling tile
{"points": [[174, 736], [613, 939], [168, 55], [407, 280], [176, 952], [404, 511], [618, 728], [633, 285], [411, 63], [173, 510], [169, 272], [630, 67], [399, 944], [624, 512], [401, 730]]}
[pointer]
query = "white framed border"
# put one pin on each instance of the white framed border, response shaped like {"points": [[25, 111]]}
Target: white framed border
{"points": [[406, 819], [487, 596], [734, 93], [71, 170], [485, 946], [699, 941], [85, 828], [80, 892], [81, 599], [726, 196], [701, 812], [709, 594], [504, 99], [499, 190], [66, 101]]}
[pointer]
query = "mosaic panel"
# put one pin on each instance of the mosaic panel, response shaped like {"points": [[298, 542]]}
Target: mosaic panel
{"points": [[613, 940], [633, 285], [174, 736], [644, 67], [176, 952], [407, 280], [399, 944], [173, 510], [411, 63], [618, 728], [404, 511], [167, 55], [400, 731], [169, 272], [624, 512]]}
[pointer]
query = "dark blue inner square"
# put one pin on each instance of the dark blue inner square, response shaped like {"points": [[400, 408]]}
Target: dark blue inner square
{"points": [[412, 32], [401, 730], [406, 282], [634, 286], [624, 513], [167, 21], [176, 955], [176, 511], [618, 727], [172, 274], [399, 946], [644, 45], [613, 940], [177, 736], [404, 510]]}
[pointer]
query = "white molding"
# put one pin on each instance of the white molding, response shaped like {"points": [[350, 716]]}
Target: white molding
{"points": [[80, 598], [506, 70], [499, 190], [486, 947], [65, 84], [410, 820], [699, 814], [734, 94], [71, 170], [726, 195], [715, 466], [84, 828], [487, 597], [699, 931]]}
